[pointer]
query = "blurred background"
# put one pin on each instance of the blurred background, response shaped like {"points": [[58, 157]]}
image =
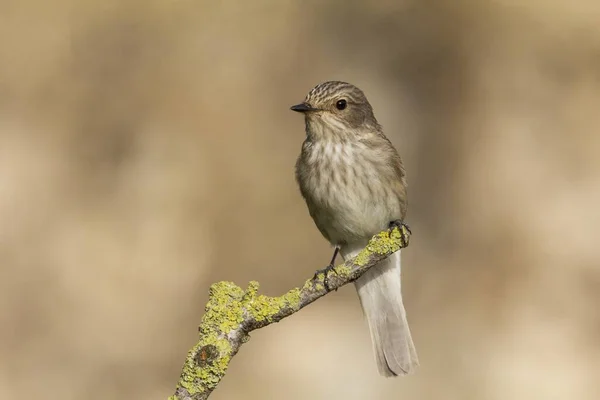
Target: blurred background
{"points": [[147, 151]]}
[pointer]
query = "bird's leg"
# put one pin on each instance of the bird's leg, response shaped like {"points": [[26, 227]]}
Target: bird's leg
{"points": [[335, 253], [327, 269], [400, 224]]}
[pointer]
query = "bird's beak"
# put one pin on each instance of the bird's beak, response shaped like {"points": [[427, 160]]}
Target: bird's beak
{"points": [[303, 107]]}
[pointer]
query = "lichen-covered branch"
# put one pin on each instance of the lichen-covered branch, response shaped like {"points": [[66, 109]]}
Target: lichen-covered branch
{"points": [[232, 313]]}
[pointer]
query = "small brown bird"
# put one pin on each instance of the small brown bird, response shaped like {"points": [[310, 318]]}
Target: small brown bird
{"points": [[354, 184]]}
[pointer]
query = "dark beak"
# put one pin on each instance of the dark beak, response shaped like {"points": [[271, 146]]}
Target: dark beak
{"points": [[303, 107]]}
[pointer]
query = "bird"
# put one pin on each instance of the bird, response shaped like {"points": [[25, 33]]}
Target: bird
{"points": [[354, 184]]}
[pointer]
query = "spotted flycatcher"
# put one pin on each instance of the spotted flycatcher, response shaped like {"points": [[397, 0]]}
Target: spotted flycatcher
{"points": [[354, 184]]}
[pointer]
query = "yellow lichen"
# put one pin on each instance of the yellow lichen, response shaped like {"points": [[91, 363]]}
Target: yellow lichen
{"points": [[309, 283], [224, 312], [196, 379], [209, 359], [363, 257], [383, 243], [292, 299], [265, 308], [224, 308], [342, 271], [252, 290]]}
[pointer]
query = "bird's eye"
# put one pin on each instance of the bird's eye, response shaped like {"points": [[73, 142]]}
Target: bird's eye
{"points": [[341, 104]]}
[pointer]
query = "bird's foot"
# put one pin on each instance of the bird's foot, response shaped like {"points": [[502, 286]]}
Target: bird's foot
{"points": [[404, 229], [325, 271]]}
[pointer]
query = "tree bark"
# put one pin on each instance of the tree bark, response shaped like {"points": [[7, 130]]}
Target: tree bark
{"points": [[232, 313]]}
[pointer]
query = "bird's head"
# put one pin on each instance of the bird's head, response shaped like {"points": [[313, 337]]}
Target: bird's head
{"points": [[336, 108]]}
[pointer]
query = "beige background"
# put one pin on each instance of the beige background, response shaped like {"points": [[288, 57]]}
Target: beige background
{"points": [[147, 150]]}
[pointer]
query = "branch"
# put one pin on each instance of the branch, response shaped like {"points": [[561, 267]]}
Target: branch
{"points": [[232, 313]]}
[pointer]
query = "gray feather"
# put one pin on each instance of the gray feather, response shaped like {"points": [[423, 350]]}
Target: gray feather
{"points": [[379, 290]]}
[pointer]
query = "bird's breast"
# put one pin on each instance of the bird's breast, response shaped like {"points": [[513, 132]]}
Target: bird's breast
{"points": [[346, 188]]}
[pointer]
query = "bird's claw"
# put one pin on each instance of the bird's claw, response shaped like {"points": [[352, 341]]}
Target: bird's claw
{"points": [[404, 229], [325, 271]]}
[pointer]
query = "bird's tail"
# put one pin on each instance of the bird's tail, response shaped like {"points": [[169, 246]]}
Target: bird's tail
{"points": [[380, 295]]}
